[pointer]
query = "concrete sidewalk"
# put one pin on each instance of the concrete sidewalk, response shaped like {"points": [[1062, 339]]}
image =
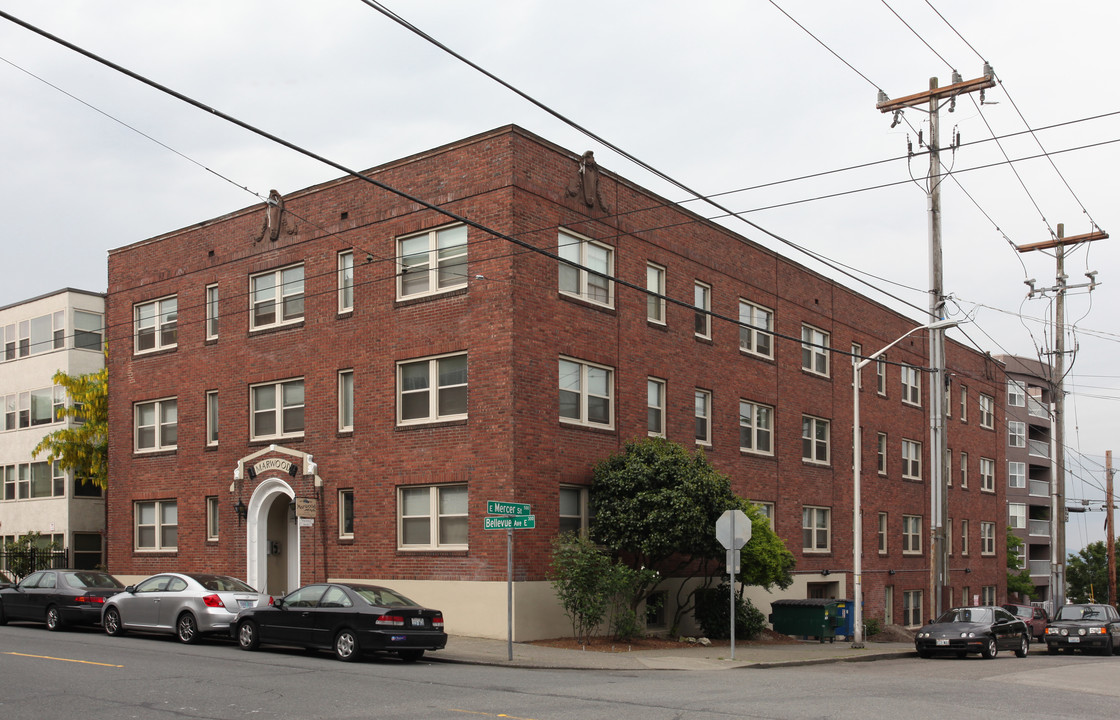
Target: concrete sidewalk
{"points": [[484, 651]]}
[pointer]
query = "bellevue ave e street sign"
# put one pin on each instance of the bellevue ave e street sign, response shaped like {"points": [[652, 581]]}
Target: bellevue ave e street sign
{"points": [[523, 522]]}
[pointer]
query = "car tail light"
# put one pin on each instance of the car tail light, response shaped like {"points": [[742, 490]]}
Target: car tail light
{"points": [[437, 622], [271, 600], [213, 601], [391, 620], [95, 599]]}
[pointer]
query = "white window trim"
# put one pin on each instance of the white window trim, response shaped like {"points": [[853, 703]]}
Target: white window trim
{"points": [[158, 327], [913, 615], [766, 509], [702, 302], [881, 454], [434, 518], [158, 526], [567, 237], [655, 303], [911, 536], [343, 375], [434, 389], [818, 344], [584, 507], [987, 480], [213, 315], [911, 385], [159, 446], [1016, 511], [881, 376], [883, 530], [1016, 391], [583, 421], [212, 518], [434, 263], [1016, 431], [660, 409], [987, 539], [1020, 472], [748, 325], [749, 420], [345, 283], [817, 511], [278, 299], [342, 534], [278, 410], [911, 460], [812, 438], [706, 419], [213, 419], [964, 537], [964, 470], [987, 412]]}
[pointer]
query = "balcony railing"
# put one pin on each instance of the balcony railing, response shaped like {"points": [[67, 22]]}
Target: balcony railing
{"points": [[1039, 448], [1037, 409], [1038, 527], [1039, 567], [1040, 488]]}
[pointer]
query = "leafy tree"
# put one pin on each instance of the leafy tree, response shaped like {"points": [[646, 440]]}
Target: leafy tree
{"points": [[655, 506], [1087, 573], [83, 448], [1018, 578]]}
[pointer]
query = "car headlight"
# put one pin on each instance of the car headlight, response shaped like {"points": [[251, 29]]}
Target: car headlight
{"points": [[1080, 631], [1065, 632], [1097, 631]]}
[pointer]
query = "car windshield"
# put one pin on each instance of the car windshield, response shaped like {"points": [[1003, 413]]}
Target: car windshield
{"points": [[1078, 612], [92, 580], [382, 597], [967, 615], [220, 583], [1019, 610]]}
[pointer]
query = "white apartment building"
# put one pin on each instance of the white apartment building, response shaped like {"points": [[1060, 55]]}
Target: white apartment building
{"points": [[63, 330]]}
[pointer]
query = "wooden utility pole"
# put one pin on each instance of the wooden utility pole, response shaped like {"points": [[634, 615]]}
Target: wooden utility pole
{"points": [[939, 496], [1110, 534], [1058, 478]]}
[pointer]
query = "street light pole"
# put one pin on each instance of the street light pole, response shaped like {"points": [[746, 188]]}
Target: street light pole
{"points": [[857, 469]]}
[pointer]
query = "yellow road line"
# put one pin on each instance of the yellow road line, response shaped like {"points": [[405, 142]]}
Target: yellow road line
{"points": [[498, 715], [47, 657]]}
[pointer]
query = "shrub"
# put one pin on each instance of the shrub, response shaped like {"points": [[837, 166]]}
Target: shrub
{"points": [[872, 626], [713, 614]]}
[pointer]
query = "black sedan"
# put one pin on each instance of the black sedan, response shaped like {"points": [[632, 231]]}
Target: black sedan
{"points": [[1084, 627], [346, 618], [59, 597], [985, 630]]}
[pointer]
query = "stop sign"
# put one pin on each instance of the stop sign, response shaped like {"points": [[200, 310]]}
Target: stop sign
{"points": [[733, 529]]}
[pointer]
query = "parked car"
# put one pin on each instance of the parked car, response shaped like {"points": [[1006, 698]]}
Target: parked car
{"points": [[59, 597], [346, 618], [1035, 618], [1084, 627], [984, 629], [186, 604]]}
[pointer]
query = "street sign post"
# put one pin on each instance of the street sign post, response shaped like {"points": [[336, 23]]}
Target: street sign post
{"points": [[733, 530], [512, 516]]}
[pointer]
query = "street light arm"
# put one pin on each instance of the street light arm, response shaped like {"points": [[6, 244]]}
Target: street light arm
{"points": [[939, 325]]}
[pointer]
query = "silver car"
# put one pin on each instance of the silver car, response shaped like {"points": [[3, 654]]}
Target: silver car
{"points": [[186, 604]]}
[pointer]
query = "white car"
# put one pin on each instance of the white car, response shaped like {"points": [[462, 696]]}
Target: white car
{"points": [[186, 604]]}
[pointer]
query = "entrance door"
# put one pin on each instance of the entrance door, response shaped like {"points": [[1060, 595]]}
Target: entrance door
{"points": [[276, 546], [888, 605]]}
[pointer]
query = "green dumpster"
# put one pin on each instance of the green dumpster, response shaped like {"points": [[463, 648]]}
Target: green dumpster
{"points": [[808, 618]]}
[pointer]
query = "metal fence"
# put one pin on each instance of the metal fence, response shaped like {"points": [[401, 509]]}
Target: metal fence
{"points": [[18, 564]]}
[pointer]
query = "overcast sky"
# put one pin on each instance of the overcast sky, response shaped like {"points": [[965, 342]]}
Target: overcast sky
{"points": [[721, 96]]}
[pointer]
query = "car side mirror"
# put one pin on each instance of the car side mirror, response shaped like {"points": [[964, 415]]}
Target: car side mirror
{"points": [[129, 589], [278, 603]]}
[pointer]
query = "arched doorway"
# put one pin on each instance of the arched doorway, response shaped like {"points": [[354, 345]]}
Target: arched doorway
{"points": [[272, 545]]}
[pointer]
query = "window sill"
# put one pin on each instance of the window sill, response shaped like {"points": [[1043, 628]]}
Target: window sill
{"points": [[425, 425], [756, 453], [755, 355], [703, 339], [279, 327], [255, 442], [138, 354], [348, 540], [342, 434], [345, 314], [601, 429], [163, 452], [815, 374], [448, 552], [576, 300], [657, 325], [815, 463], [418, 299], [161, 551]]}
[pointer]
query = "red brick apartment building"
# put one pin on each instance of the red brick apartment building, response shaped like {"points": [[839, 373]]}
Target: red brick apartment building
{"points": [[393, 369]]}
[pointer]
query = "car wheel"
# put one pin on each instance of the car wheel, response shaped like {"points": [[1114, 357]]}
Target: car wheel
{"points": [[346, 645], [247, 636], [991, 650], [1024, 646], [54, 618], [186, 629], [112, 622], [410, 656], [3, 617]]}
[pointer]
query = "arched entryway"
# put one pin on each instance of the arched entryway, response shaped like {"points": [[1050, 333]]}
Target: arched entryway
{"points": [[272, 545]]}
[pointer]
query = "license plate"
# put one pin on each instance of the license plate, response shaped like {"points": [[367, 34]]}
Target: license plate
{"points": [[1075, 639], [398, 638], [942, 641], [245, 603], [418, 622]]}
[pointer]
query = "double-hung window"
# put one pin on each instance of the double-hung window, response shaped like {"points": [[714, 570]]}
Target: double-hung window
{"points": [[881, 375], [814, 350], [1016, 474], [432, 262], [816, 535], [573, 510], [1016, 516], [987, 475], [987, 538], [883, 533], [432, 389], [756, 427], [655, 283], [277, 409], [88, 329], [346, 513], [703, 417], [756, 328], [156, 525], [156, 324], [987, 412], [276, 297], [345, 400], [964, 470], [586, 392], [594, 284], [911, 534], [1016, 394], [814, 439], [212, 315], [432, 517], [212, 518], [702, 301], [964, 537], [1016, 434], [655, 407], [212, 417], [881, 454], [345, 281], [911, 460], [912, 608], [156, 425], [911, 385]]}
